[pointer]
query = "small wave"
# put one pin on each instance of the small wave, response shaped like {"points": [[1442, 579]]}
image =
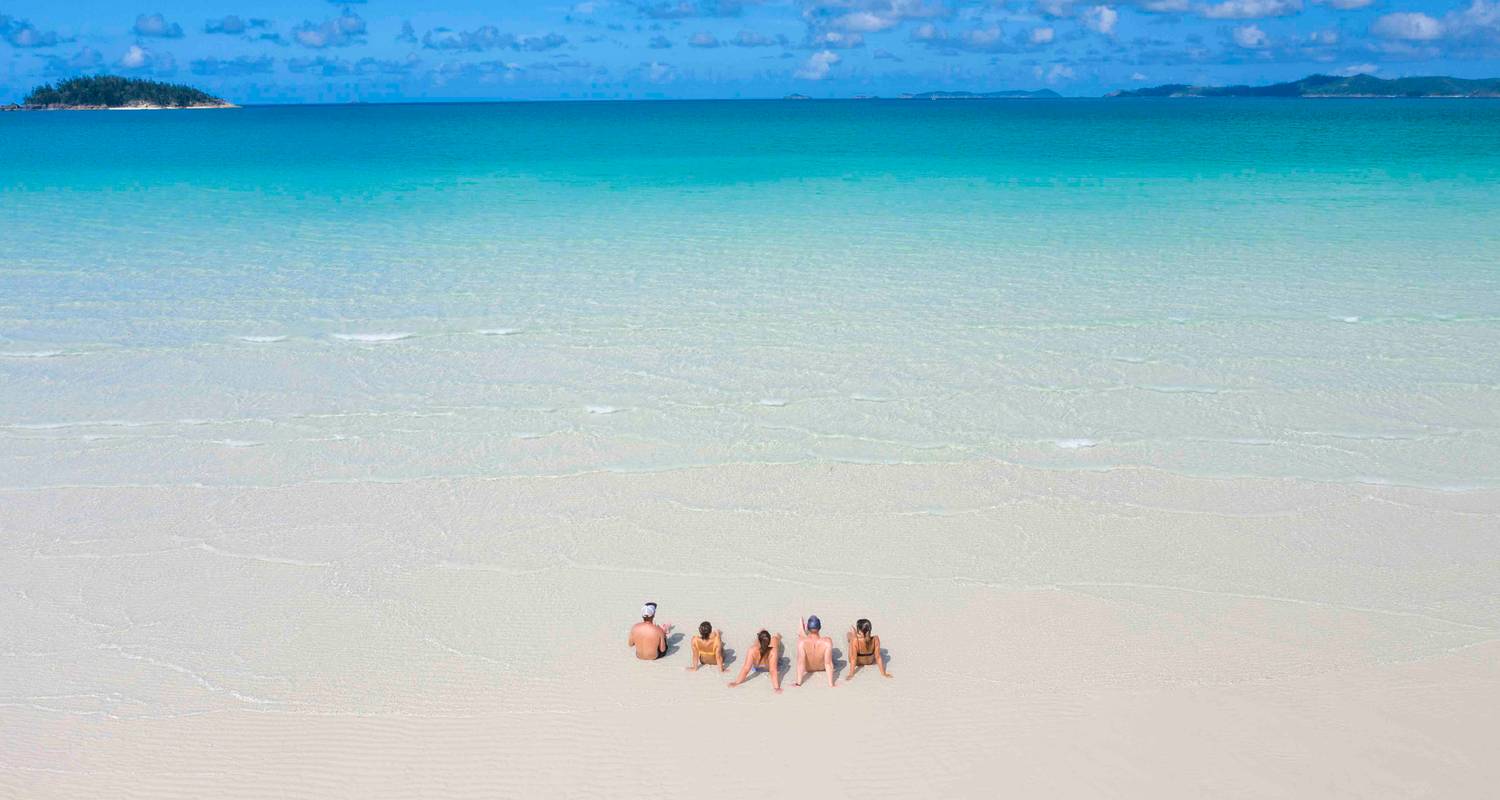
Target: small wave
{"points": [[33, 353], [237, 443], [52, 426], [261, 339], [601, 409], [498, 331], [774, 402], [1075, 444], [1350, 320], [374, 337], [868, 398], [1184, 389]]}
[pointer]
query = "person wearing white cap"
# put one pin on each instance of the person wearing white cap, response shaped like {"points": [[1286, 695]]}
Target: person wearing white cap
{"points": [[814, 651], [648, 638]]}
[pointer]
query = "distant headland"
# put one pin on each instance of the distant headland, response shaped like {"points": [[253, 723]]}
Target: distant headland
{"points": [[111, 92], [1335, 86]]}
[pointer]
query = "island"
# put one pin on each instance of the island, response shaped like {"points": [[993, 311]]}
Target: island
{"points": [[1335, 86], [108, 92], [1004, 94]]}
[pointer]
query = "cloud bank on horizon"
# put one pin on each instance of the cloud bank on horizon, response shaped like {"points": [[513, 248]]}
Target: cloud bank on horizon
{"points": [[326, 51]]}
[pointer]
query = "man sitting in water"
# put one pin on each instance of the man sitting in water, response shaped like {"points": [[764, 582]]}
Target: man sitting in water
{"points": [[648, 638], [814, 651]]}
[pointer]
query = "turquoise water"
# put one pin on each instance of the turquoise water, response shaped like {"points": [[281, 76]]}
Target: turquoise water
{"points": [[277, 295]]}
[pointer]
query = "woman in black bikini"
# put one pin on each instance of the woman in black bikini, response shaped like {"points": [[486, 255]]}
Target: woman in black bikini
{"points": [[864, 649]]}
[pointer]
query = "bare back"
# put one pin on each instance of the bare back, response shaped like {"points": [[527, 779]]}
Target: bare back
{"points": [[649, 641], [815, 652]]}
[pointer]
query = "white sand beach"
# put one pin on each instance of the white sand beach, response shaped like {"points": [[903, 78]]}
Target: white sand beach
{"points": [[1051, 633]]}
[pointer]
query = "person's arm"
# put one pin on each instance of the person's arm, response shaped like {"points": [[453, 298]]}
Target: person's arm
{"points": [[801, 660], [693, 662], [630, 640], [744, 670], [851, 653], [828, 663], [661, 644], [776, 665], [719, 650], [880, 658]]}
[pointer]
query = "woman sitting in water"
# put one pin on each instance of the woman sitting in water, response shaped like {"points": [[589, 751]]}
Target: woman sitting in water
{"points": [[864, 649], [763, 656], [707, 647]]}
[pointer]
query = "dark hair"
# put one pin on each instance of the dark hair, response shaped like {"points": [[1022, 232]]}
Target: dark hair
{"points": [[764, 637], [705, 628], [863, 626]]}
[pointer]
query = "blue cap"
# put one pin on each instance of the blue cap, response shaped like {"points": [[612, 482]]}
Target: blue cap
{"points": [[813, 623]]}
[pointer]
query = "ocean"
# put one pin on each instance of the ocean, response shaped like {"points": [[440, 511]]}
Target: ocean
{"points": [[1158, 440], [278, 295]]}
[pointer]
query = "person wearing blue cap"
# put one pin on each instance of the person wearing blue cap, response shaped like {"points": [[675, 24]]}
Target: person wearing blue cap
{"points": [[814, 651]]}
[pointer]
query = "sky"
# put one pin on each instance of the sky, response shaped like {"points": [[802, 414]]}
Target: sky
{"points": [[289, 51]]}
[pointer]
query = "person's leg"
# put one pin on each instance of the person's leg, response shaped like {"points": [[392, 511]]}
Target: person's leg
{"points": [[880, 657]]}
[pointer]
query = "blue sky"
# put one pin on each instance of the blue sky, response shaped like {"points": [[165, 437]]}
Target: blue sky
{"points": [[374, 50]]}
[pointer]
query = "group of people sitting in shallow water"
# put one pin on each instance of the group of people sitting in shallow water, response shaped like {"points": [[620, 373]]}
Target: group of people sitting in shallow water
{"points": [[814, 650]]}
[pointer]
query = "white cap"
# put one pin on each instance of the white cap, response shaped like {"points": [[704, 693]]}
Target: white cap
{"points": [[648, 610]]}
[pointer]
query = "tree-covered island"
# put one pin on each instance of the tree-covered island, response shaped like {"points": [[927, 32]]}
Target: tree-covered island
{"points": [[113, 91]]}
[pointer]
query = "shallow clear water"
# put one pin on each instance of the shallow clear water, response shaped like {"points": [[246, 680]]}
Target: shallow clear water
{"points": [[278, 295]]}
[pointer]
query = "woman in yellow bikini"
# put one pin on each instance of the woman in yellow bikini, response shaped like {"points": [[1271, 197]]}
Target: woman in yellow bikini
{"points": [[864, 649], [706, 648]]}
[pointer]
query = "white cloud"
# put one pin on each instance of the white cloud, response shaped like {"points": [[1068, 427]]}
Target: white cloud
{"points": [[1054, 74], [1042, 35], [1138, 76], [703, 39], [1251, 9], [928, 32], [1480, 21], [137, 58], [156, 25], [1166, 6], [1251, 37], [837, 41], [991, 38], [1359, 69], [1347, 5], [346, 29], [864, 22], [1055, 8], [1101, 19], [817, 65], [749, 38], [657, 72], [1413, 27]]}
